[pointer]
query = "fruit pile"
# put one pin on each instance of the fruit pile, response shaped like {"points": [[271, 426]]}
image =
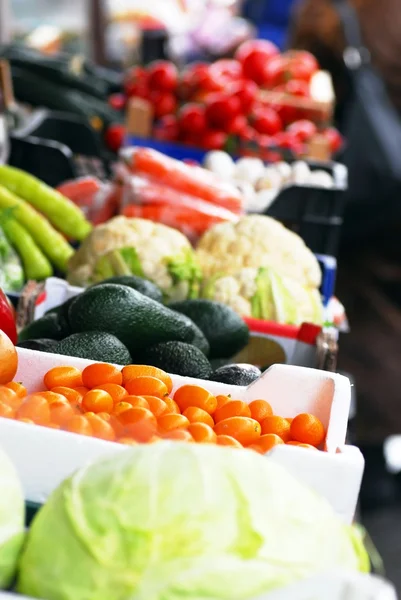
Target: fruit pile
{"points": [[224, 104], [136, 405]]}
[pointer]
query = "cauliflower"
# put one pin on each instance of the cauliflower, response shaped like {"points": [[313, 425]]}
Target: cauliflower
{"points": [[263, 294], [257, 241], [140, 247]]}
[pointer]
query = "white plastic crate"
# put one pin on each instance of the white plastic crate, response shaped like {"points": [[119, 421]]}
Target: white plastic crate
{"points": [[45, 457]]}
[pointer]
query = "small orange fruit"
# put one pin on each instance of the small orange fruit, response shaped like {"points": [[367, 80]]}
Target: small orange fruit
{"points": [[234, 408], [172, 407], [222, 400], [202, 433], [150, 386], [79, 424], [133, 371], [198, 415], [168, 422], [64, 376], [101, 373], [227, 440], [117, 392], [278, 426], [18, 388], [268, 441], [244, 429], [195, 395], [8, 359], [260, 410], [307, 429], [97, 401], [156, 405]]}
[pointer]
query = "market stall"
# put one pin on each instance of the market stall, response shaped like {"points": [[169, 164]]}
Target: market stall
{"points": [[169, 327]]}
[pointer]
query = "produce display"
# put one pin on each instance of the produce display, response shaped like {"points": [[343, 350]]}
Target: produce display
{"points": [[35, 219], [261, 100], [121, 321], [261, 269], [261, 184], [135, 404]]}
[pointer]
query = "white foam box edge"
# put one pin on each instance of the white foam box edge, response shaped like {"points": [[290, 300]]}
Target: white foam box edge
{"points": [[336, 585], [45, 457]]}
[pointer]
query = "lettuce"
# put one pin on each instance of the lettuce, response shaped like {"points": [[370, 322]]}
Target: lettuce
{"points": [[174, 521], [12, 521]]}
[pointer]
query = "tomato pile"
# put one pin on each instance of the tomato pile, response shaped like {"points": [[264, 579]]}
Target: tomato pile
{"points": [[135, 405], [213, 105]]}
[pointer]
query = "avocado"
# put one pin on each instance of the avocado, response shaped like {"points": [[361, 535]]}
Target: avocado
{"points": [[137, 321], [61, 312], [198, 338], [46, 327], [144, 286], [95, 345], [41, 345], [236, 374], [223, 328], [178, 358]]}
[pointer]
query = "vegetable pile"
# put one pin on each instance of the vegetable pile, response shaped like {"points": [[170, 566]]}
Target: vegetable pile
{"points": [[136, 405], [181, 520], [124, 320], [261, 184], [64, 83], [261, 99], [34, 219]]}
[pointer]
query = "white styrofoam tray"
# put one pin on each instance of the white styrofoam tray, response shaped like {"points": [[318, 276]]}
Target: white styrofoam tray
{"points": [[45, 457]]}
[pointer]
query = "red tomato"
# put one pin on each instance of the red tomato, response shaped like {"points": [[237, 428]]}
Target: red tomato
{"points": [[163, 76], [226, 68], [163, 103], [208, 82], [237, 125], [303, 130], [136, 75], [247, 92], [221, 109], [287, 113], [297, 88], [288, 141], [248, 134], [192, 118], [335, 139], [189, 80], [213, 139], [291, 65], [114, 137], [253, 55], [167, 129], [139, 89], [117, 101], [267, 121], [264, 141]]}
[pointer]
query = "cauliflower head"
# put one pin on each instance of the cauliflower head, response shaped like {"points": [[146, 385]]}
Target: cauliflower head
{"points": [[263, 294], [124, 246], [257, 241]]}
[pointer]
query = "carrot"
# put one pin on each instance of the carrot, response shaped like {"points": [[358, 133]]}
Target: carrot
{"points": [[184, 178]]}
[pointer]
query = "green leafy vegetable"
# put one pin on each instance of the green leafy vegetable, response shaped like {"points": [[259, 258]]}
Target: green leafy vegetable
{"points": [[174, 521], [12, 521]]}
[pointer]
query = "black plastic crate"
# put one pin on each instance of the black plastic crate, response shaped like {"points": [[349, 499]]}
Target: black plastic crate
{"points": [[56, 147], [316, 214]]}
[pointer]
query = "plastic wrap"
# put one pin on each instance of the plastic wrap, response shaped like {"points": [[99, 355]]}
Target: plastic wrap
{"points": [[184, 178], [98, 200]]}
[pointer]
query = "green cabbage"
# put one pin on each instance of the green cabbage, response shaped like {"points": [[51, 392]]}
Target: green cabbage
{"points": [[12, 521], [173, 521]]}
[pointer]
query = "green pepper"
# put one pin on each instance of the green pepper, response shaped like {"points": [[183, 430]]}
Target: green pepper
{"points": [[35, 263], [52, 243], [60, 211]]}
